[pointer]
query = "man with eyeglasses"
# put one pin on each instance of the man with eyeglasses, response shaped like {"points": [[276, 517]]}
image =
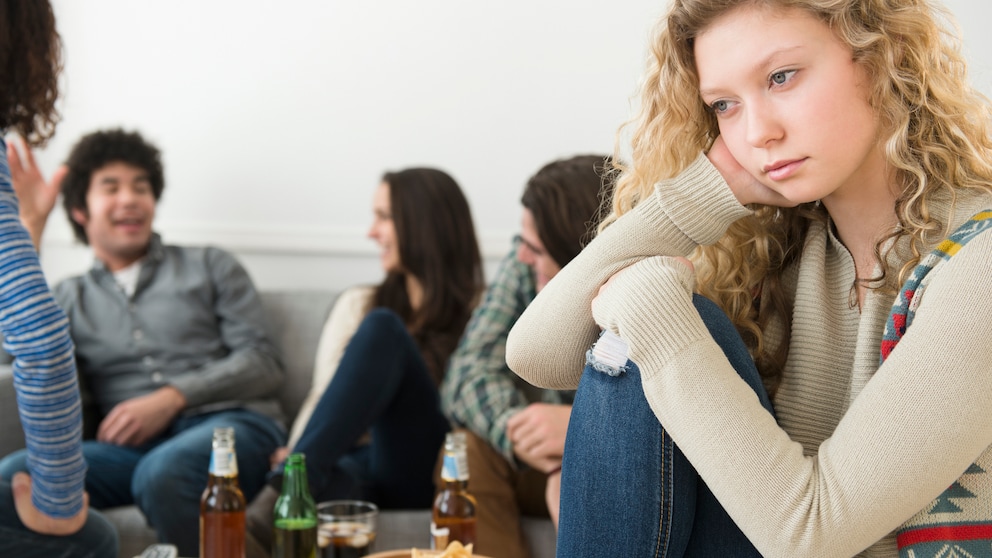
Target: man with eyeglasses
{"points": [[516, 432]]}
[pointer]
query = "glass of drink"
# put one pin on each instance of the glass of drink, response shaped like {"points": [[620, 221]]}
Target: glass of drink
{"points": [[346, 528]]}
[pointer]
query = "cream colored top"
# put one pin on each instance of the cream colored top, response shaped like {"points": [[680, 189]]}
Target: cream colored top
{"points": [[347, 314], [858, 449]]}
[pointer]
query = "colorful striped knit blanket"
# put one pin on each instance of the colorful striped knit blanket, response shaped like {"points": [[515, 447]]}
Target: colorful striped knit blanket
{"points": [[958, 523]]}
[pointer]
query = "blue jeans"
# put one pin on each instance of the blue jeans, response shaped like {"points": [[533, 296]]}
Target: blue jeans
{"points": [[627, 490], [166, 477], [97, 538], [381, 386]]}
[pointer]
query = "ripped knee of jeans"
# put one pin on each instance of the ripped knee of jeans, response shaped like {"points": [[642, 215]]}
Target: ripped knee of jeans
{"points": [[608, 354]]}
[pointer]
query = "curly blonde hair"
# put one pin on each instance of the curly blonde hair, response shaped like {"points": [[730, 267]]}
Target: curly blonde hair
{"points": [[933, 126]]}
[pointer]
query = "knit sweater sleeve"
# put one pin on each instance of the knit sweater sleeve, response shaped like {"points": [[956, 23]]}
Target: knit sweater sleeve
{"points": [[36, 333], [918, 423], [547, 345]]}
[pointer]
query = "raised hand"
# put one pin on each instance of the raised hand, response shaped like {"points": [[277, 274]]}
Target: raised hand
{"points": [[743, 184], [135, 421], [34, 519], [36, 195]]}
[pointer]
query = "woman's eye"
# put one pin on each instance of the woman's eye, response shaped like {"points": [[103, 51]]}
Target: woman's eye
{"points": [[720, 106], [779, 78]]}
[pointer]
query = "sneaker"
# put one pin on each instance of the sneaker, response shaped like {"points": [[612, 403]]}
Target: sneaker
{"points": [[258, 520]]}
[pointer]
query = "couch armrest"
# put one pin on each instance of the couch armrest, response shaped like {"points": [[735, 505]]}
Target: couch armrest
{"points": [[11, 434]]}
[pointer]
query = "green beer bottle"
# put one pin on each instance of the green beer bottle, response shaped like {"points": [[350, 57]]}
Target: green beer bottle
{"points": [[295, 527]]}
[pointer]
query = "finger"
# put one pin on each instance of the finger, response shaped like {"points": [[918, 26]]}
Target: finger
{"points": [[58, 176], [28, 155], [111, 426], [21, 484], [130, 434], [686, 262], [519, 418], [527, 437], [544, 451], [520, 431], [101, 429], [13, 159]]}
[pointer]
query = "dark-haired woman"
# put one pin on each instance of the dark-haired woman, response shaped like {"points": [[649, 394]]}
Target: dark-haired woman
{"points": [[383, 353], [43, 512]]}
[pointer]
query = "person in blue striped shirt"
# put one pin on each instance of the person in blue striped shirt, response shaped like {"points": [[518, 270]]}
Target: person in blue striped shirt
{"points": [[43, 512]]}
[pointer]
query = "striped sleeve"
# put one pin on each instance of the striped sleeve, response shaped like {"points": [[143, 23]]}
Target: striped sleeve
{"points": [[36, 334]]}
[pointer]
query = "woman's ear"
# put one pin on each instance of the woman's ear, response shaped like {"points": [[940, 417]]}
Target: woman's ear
{"points": [[79, 216]]}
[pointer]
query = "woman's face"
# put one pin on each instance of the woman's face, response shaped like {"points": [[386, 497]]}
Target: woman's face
{"points": [[533, 254], [383, 231], [791, 103]]}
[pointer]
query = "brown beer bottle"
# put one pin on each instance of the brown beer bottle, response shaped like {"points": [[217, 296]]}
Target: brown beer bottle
{"points": [[453, 516], [222, 506]]}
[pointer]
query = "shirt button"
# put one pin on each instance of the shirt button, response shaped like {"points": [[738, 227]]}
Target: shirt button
{"points": [[148, 361], [137, 334], [156, 376]]}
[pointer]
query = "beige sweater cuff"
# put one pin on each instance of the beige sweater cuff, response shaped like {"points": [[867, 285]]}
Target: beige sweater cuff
{"points": [[700, 186], [654, 312]]}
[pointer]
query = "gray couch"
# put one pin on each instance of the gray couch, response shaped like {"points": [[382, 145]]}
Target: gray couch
{"points": [[295, 320]]}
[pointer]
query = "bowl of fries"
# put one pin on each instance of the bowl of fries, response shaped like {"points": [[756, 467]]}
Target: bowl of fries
{"points": [[454, 550]]}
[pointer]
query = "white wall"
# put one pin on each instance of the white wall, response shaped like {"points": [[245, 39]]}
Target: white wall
{"points": [[277, 120]]}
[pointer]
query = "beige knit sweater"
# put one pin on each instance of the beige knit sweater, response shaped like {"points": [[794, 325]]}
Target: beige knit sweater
{"points": [[858, 449]]}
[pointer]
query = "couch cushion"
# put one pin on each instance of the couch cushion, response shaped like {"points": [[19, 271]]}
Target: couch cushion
{"points": [[295, 320]]}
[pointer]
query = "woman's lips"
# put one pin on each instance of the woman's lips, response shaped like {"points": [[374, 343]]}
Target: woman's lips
{"points": [[780, 170]]}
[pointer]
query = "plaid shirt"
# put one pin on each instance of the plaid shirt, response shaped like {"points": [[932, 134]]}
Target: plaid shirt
{"points": [[480, 392]]}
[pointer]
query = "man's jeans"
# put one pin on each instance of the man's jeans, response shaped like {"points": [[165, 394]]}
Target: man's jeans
{"points": [[96, 539], [166, 477], [627, 490]]}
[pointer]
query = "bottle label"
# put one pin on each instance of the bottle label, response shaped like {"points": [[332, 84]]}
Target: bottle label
{"points": [[223, 463], [439, 537], [455, 467]]}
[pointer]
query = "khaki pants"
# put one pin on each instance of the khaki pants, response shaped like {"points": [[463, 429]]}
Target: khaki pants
{"points": [[504, 493]]}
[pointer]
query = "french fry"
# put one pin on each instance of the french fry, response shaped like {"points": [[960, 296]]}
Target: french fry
{"points": [[454, 550]]}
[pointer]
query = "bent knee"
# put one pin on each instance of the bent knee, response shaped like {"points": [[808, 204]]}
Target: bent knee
{"points": [[13, 463], [383, 321], [160, 480]]}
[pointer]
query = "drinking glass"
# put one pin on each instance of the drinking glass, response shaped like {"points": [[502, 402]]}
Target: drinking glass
{"points": [[346, 528]]}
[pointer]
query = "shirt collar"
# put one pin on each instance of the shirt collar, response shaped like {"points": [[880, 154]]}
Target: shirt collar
{"points": [[154, 255]]}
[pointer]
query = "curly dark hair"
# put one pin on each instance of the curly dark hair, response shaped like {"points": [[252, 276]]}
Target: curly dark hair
{"points": [[30, 63], [97, 150]]}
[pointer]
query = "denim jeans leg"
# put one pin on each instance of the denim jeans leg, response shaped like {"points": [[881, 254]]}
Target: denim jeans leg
{"points": [[626, 488], [714, 533], [618, 474], [382, 384], [97, 538], [169, 480]]}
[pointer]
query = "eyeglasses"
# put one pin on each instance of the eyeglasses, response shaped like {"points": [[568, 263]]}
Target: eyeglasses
{"points": [[536, 251]]}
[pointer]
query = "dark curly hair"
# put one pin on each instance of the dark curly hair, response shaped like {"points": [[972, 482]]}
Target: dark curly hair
{"points": [[30, 63], [97, 150]]}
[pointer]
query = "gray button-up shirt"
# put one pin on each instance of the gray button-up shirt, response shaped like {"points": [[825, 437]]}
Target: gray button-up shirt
{"points": [[195, 322]]}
